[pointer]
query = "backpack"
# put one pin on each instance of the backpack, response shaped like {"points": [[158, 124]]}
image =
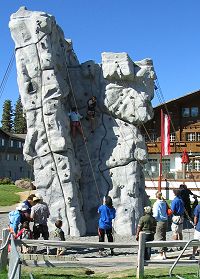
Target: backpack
{"points": [[12, 216]]}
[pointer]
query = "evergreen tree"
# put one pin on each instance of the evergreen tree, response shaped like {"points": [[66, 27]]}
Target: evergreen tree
{"points": [[6, 121], [19, 119]]}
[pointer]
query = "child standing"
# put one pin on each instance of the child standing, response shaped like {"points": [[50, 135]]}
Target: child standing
{"points": [[107, 214], [59, 235], [25, 233]]}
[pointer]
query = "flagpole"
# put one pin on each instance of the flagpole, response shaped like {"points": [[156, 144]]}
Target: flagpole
{"points": [[161, 144]]}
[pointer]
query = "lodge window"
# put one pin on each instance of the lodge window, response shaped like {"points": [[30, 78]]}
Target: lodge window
{"points": [[172, 137], [165, 165], [189, 166], [197, 165], [151, 166], [191, 137], [194, 111], [11, 143], [19, 144], [193, 165], [16, 158], [185, 112], [2, 142]]}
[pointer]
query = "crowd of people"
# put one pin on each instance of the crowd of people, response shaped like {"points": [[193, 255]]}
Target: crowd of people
{"points": [[35, 210], [155, 220]]}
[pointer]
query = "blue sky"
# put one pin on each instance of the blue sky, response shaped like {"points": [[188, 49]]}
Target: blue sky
{"points": [[166, 31]]}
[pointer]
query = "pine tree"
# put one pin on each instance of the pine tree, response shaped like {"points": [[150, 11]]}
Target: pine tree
{"points": [[19, 119], [6, 121]]}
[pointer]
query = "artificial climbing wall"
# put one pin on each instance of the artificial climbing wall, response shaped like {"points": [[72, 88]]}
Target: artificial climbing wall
{"points": [[73, 175]]}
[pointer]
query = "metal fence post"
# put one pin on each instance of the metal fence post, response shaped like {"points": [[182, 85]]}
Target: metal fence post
{"points": [[140, 263], [4, 253]]}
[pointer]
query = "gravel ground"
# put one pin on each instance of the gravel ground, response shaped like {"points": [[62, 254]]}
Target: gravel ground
{"points": [[187, 234]]}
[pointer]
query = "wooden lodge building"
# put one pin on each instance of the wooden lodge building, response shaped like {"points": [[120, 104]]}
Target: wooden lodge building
{"points": [[184, 135], [12, 160]]}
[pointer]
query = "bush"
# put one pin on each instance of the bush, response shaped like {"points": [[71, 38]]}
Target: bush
{"points": [[5, 180]]}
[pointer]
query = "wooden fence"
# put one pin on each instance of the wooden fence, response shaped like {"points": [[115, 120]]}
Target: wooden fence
{"points": [[73, 244]]}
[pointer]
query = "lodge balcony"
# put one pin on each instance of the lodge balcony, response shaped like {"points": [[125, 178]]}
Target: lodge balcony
{"points": [[154, 147], [192, 175]]}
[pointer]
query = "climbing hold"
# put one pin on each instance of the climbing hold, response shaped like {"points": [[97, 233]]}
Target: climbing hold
{"points": [[32, 87], [89, 66], [49, 125], [43, 45], [66, 175], [111, 174], [121, 102], [122, 94], [132, 97], [64, 166], [33, 102], [113, 160], [125, 124], [52, 169]]}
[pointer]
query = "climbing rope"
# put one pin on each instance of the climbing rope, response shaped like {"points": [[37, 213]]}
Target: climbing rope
{"points": [[87, 151], [53, 162]]}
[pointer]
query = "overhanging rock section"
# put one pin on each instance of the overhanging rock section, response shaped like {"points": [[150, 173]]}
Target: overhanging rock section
{"points": [[74, 176]]}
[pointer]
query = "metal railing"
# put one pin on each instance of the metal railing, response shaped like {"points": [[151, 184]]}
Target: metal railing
{"points": [[182, 252]]}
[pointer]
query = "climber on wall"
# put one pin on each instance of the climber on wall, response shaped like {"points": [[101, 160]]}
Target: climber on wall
{"points": [[92, 102], [75, 122]]}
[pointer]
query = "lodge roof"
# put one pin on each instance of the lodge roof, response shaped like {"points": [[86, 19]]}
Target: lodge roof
{"points": [[13, 136], [191, 94]]}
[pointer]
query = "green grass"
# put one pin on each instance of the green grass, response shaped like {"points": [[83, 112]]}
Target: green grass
{"points": [[8, 194], [83, 273]]}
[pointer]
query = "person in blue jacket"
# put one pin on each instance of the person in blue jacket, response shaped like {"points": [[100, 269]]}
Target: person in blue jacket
{"points": [[107, 214], [15, 217], [177, 207]]}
